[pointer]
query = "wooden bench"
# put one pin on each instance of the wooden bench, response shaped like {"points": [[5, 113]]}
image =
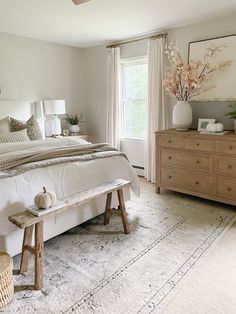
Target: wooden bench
{"points": [[27, 221]]}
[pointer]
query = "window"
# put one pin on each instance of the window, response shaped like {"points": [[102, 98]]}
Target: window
{"points": [[134, 98]]}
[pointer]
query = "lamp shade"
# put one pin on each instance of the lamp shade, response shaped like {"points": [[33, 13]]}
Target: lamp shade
{"points": [[54, 107]]}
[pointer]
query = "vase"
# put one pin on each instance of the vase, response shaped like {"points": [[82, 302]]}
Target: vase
{"points": [[74, 128], [182, 116]]}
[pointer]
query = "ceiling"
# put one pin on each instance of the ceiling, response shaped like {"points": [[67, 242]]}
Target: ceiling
{"points": [[102, 21]]}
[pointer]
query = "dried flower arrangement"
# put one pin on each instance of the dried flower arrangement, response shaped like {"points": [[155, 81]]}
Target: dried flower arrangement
{"points": [[184, 81]]}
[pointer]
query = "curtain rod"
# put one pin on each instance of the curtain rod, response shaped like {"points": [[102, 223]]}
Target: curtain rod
{"points": [[154, 36]]}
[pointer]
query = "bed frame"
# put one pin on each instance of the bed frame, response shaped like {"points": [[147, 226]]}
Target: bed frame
{"points": [[11, 240], [21, 110]]}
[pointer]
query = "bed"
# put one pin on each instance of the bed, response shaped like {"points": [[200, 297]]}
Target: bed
{"points": [[66, 175]]}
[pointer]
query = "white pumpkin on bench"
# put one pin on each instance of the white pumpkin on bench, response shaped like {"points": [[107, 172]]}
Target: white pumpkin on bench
{"points": [[45, 199]]}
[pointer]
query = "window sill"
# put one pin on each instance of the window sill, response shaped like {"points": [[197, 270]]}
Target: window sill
{"points": [[132, 139]]}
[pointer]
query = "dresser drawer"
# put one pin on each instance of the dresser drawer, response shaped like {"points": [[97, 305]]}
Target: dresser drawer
{"points": [[185, 159], [199, 144], [226, 188], [186, 180], [223, 147], [225, 166], [171, 141]]}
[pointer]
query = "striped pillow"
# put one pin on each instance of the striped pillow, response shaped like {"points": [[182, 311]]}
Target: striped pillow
{"points": [[20, 136]]}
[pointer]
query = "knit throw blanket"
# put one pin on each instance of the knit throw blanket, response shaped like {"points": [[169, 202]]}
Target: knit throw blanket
{"points": [[19, 162]]}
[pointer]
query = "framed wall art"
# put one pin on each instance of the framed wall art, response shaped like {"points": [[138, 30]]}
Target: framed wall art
{"points": [[203, 123], [224, 81]]}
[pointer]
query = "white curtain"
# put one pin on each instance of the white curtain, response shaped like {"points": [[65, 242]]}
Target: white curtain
{"points": [[113, 97], [156, 103]]}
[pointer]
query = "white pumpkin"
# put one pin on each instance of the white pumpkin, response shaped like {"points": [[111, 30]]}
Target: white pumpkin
{"points": [[45, 199], [215, 127]]}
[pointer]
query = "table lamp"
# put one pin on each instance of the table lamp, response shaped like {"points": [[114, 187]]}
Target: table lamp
{"points": [[53, 123]]}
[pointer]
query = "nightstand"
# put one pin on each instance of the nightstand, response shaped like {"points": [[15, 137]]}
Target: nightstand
{"points": [[83, 136]]}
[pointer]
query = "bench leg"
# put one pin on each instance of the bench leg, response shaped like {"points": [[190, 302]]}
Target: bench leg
{"points": [[27, 240], [39, 255], [123, 211], [107, 209]]}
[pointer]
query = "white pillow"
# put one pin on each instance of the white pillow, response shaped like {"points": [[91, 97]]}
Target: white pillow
{"points": [[41, 122], [18, 136], [5, 125]]}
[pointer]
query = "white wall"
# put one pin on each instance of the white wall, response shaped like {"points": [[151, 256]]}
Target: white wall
{"points": [[96, 91], [96, 61], [34, 69], [204, 30]]}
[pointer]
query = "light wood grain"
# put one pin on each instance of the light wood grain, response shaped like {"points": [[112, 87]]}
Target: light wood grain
{"points": [[27, 240], [198, 144], [171, 141], [226, 147], [123, 211], [25, 219], [226, 188], [191, 181], [80, 136], [186, 159], [39, 254], [107, 209], [205, 165], [225, 166]]}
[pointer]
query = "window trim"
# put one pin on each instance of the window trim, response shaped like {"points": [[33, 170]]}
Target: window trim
{"points": [[134, 60]]}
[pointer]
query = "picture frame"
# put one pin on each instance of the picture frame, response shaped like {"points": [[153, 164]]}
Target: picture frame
{"points": [[224, 89], [203, 123]]}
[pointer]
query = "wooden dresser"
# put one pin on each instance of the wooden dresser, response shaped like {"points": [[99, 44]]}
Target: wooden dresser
{"points": [[197, 164]]}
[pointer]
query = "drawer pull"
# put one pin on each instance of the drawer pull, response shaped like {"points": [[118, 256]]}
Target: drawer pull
{"points": [[170, 177], [170, 141], [198, 162], [198, 144], [229, 166], [230, 147], [229, 189], [196, 182], [170, 157]]}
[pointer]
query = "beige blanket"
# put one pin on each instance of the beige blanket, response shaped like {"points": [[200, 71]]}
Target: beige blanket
{"points": [[18, 162]]}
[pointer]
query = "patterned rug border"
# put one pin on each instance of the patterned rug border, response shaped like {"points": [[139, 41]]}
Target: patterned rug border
{"points": [[158, 298], [123, 268]]}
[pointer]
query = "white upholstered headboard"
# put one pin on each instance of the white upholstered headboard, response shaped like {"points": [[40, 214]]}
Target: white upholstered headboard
{"points": [[23, 110]]}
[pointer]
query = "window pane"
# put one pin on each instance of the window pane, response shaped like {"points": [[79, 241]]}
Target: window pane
{"points": [[134, 95], [134, 118]]}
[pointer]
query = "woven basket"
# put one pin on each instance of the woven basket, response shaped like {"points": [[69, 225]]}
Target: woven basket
{"points": [[6, 279]]}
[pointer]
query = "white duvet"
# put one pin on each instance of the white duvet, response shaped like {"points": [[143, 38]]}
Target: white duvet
{"points": [[65, 179]]}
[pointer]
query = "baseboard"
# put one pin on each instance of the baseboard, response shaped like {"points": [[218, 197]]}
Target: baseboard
{"points": [[139, 170]]}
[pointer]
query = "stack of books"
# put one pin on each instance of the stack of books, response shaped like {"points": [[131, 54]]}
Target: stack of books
{"points": [[33, 209]]}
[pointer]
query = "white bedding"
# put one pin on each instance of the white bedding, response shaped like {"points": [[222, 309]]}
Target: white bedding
{"points": [[65, 179]]}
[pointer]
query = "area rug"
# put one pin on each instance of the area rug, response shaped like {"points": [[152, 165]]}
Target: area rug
{"points": [[98, 269]]}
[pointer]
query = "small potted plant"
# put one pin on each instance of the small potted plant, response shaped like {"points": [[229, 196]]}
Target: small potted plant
{"points": [[74, 120], [232, 114]]}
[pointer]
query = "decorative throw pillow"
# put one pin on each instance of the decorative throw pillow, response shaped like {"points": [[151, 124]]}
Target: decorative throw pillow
{"points": [[19, 136], [5, 125], [32, 126]]}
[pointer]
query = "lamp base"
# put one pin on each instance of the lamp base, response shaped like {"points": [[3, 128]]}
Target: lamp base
{"points": [[52, 126]]}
